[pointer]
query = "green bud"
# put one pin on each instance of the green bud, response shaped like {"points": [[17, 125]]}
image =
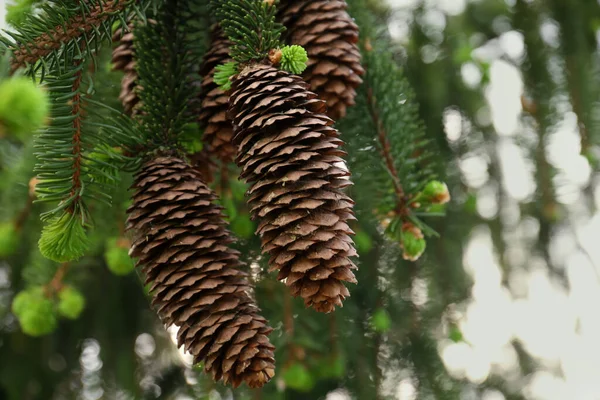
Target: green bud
{"points": [[117, 257], [70, 302], [381, 321], [293, 59], [23, 106], [9, 239], [297, 377], [436, 192], [36, 313], [223, 74], [412, 242]]}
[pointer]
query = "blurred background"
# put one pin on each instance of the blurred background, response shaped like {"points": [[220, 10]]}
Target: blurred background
{"points": [[504, 305]]}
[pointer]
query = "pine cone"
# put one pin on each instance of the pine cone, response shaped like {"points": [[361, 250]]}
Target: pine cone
{"points": [[180, 238], [218, 130], [123, 60], [329, 35], [290, 154]]}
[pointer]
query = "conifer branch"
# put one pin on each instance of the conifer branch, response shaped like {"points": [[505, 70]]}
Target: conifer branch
{"points": [[62, 30], [386, 151], [250, 25], [164, 56]]}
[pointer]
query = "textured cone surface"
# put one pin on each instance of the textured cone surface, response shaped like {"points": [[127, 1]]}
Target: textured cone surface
{"points": [[123, 60], [329, 35], [213, 117], [291, 155], [180, 240]]}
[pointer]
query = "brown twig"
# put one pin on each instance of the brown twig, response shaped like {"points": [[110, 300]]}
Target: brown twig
{"points": [[56, 283], [77, 150], [78, 26]]}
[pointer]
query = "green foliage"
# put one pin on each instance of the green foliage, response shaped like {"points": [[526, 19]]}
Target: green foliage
{"points": [[242, 226], [363, 241], [381, 321], [117, 257], [293, 59], [17, 12], [224, 73], [331, 367], [70, 302], [23, 107], [35, 312], [251, 27], [9, 239], [387, 139], [64, 238], [298, 377], [165, 68], [68, 175]]}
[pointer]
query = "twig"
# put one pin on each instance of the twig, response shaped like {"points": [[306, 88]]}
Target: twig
{"points": [[56, 283], [77, 151]]}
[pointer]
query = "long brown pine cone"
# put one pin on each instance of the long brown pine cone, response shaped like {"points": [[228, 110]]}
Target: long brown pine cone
{"points": [[180, 238], [291, 155], [213, 117], [123, 60], [329, 35]]}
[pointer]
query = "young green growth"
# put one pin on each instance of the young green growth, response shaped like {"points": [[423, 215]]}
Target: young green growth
{"points": [[293, 59], [63, 239], [116, 256], [223, 74], [435, 192], [412, 242], [23, 107], [36, 312], [70, 302]]}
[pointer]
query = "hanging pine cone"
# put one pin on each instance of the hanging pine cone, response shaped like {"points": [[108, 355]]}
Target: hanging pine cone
{"points": [[290, 154], [123, 60], [180, 238], [329, 35], [218, 130]]}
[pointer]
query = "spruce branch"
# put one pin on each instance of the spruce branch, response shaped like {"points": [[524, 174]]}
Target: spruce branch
{"points": [[385, 149], [64, 27], [165, 57], [251, 27], [390, 147]]}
